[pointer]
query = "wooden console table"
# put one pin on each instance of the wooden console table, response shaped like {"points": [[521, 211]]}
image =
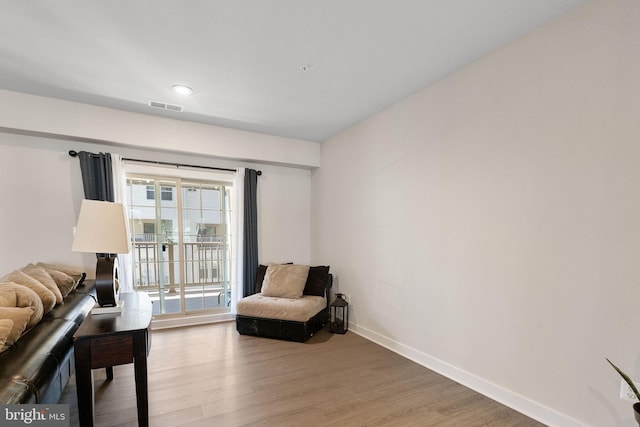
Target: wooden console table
{"points": [[106, 340]]}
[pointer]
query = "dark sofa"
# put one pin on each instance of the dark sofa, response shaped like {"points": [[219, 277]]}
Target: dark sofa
{"points": [[37, 367]]}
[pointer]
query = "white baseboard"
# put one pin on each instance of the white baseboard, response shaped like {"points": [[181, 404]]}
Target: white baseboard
{"points": [[508, 398]]}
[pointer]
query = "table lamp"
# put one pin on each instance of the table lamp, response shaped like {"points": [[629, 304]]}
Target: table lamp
{"points": [[103, 229]]}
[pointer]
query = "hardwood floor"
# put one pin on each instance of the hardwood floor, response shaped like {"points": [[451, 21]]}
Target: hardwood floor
{"points": [[212, 376]]}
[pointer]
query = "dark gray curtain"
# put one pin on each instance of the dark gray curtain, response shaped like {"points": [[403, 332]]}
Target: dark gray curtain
{"points": [[97, 176], [250, 243]]}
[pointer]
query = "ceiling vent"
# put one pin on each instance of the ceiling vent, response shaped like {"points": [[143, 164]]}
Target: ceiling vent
{"points": [[166, 106]]}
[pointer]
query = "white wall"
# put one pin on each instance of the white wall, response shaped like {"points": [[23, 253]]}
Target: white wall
{"points": [[284, 221], [41, 193], [489, 226]]}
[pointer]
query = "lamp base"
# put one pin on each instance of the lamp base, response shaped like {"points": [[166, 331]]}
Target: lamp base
{"points": [[107, 285], [108, 310]]}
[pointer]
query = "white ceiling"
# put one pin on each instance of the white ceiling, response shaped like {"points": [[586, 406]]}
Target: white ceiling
{"points": [[243, 57]]}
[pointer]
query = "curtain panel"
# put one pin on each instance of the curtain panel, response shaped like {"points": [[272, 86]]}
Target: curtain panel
{"points": [[250, 240], [125, 261], [97, 176]]}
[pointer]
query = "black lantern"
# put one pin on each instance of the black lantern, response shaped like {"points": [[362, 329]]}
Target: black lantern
{"points": [[339, 321]]}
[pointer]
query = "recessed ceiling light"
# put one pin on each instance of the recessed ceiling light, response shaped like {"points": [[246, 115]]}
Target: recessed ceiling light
{"points": [[182, 89]]}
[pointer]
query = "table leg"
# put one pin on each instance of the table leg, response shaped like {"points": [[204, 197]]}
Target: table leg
{"points": [[109, 371], [140, 371], [84, 389]]}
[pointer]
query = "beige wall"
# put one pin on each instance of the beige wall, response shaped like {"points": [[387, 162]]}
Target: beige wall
{"points": [[489, 226]]}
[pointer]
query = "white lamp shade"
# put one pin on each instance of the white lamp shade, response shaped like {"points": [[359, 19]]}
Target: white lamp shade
{"points": [[102, 228]]}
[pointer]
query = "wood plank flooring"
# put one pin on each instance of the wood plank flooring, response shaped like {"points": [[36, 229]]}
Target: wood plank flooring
{"points": [[212, 376]]}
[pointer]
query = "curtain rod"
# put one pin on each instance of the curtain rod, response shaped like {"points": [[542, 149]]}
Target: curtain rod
{"points": [[73, 153]]}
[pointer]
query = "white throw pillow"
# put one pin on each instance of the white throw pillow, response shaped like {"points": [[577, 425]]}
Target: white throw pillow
{"points": [[285, 281]]}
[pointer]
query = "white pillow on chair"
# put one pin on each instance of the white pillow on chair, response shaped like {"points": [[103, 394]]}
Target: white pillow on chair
{"points": [[285, 280]]}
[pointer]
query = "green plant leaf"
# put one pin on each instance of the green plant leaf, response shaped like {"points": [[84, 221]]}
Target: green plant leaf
{"points": [[627, 379]]}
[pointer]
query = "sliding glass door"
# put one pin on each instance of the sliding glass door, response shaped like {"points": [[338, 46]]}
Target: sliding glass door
{"points": [[180, 240]]}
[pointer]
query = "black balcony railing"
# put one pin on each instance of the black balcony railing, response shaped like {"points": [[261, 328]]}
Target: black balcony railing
{"points": [[156, 264]]}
